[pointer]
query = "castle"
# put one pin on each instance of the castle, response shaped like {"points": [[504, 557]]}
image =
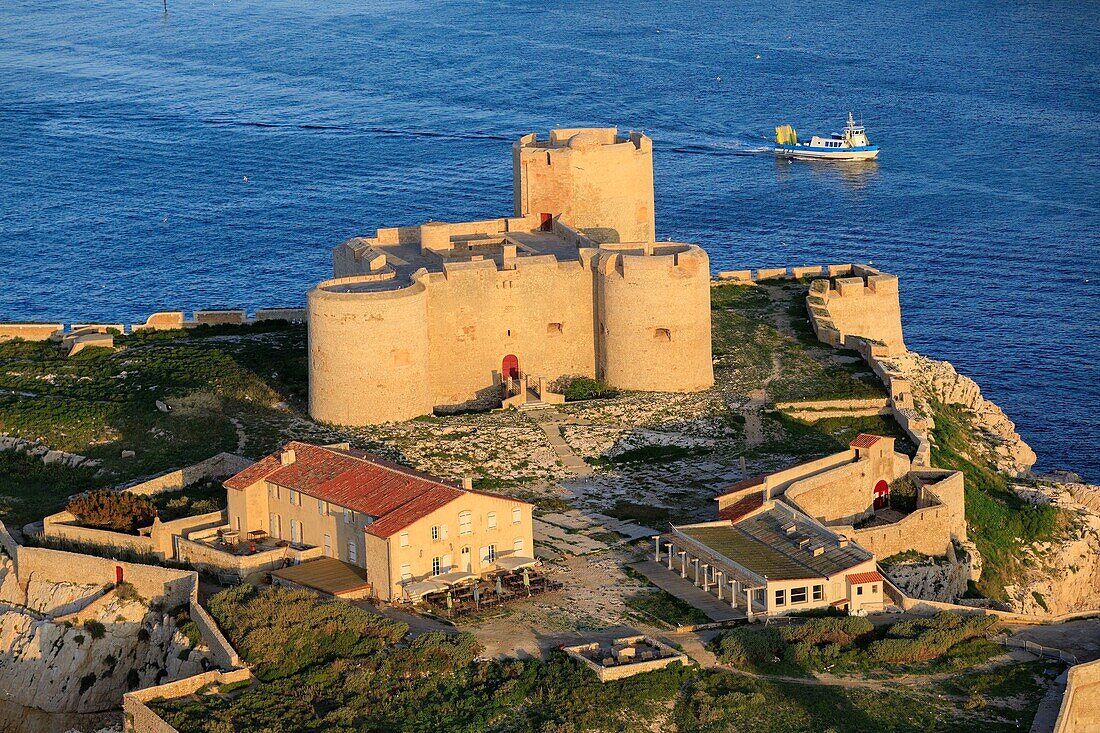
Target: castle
{"points": [[457, 315]]}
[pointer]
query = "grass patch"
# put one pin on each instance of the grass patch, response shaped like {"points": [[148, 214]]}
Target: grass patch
{"points": [[648, 454], [666, 607], [1001, 524]]}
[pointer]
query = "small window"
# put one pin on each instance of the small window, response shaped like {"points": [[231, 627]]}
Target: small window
{"points": [[353, 552], [517, 516], [347, 516], [435, 532], [491, 520], [404, 539], [328, 545], [798, 595], [819, 592], [437, 563], [492, 553], [406, 573], [465, 523], [781, 598], [662, 334], [443, 531], [292, 495], [517, 545], [322, 507], [874, 589], [553, 328], [859, 590], [273, 491]]}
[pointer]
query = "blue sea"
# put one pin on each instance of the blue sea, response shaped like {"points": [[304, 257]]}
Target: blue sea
{"points": [[212, 156]]}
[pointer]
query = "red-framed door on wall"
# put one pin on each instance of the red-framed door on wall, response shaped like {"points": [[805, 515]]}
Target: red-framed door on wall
{"points": [[882, 495], [510, 367]]}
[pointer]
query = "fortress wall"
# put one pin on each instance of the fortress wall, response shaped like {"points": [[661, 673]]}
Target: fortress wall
{"points": [[948, 491], [926, 530], [541, 312], [654, 321], [367, 354], [779, 481], [221, 465], [594, 184], [843, 494], [31, 331], [138, 718], [866, 306], [1080, 710]]}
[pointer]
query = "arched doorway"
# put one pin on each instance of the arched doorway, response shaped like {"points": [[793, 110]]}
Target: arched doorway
{"points": [[882, 495], [510, 367]]}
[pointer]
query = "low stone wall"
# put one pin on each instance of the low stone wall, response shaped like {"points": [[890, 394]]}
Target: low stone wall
{"points": [[159, 321], [206, 558], [748, 277], [621, 671], [224, 653], [1080, 710], [927, 530], [61, 526], [222, 465], [138, 718]]}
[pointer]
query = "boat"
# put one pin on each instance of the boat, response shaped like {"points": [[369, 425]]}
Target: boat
{"points": [[852, 144]]}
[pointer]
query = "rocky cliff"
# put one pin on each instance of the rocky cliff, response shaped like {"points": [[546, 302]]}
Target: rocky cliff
{"points": [[937, 381], [55, 666], [1062, 576]]}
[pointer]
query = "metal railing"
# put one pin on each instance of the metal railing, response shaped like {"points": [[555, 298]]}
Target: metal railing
{"points": [[1038, 650]]}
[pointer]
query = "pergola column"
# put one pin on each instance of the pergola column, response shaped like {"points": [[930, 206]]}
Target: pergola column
{"points": [[733, 593], [670, 556], [706, 578], [683, 564], [695, 561], [657, 550], [748, 602], [718, 582]]}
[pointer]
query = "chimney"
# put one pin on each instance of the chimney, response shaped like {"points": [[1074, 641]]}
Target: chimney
{"points": [[286, 457], [468, 483], [843, 541]]}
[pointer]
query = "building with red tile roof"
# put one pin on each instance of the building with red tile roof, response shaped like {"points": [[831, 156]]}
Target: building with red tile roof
{"points": [[401, 525]]}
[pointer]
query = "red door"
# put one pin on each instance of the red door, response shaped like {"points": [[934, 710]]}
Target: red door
{"points": [[510, 367], [882, 495], [118, 575], [547, 222]]}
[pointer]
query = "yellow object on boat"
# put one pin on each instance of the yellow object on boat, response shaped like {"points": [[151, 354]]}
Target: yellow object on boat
{"points": [[786, 135]]}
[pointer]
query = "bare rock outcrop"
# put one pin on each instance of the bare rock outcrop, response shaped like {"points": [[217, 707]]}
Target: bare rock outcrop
{"points": [[62, 667], [1063, 576], [937, 381]]}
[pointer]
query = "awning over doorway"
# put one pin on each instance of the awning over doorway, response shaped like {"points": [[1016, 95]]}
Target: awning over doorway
{"points": [[515, 562]]}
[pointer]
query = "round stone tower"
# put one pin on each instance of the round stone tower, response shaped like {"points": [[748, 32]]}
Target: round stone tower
{"points": [[593, 179], [368, 351], [654, 319]]}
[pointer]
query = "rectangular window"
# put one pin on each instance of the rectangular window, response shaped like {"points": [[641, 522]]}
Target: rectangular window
{"points": [[488, 555], [353, 551], [443, 531], [435, 532], [437, 563], [276, 529], [819, 592], [347, 516], [328, 545], [273, 491], [465, 523], [517, 546], [491, 520], [292, 495], [874, 589], [322, 509], [404, 539], [798, 595], [517, 516], [859, 590], [406, 573], [781, 598]]}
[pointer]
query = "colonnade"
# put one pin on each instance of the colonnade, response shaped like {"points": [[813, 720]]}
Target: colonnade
{"points": [[738, 586]]}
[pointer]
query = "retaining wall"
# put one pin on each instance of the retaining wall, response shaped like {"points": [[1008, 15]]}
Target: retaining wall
{"points": [[160, 321], [31, 331], [206, 558], [222, 465], [138, 718]]}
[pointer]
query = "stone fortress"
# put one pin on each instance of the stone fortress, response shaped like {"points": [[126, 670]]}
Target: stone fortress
{"points": [[456, 315]]}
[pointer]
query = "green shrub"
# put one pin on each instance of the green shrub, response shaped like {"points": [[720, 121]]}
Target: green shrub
{"points": [[112, 510], [95, 629], [87, 681], [585, 388]]}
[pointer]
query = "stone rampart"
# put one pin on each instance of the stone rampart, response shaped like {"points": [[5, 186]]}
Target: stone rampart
{"points": [[31, 331], [1080, 710], [238, 567], [62, 526], [224, 653], [139, 718], [760, 274]]}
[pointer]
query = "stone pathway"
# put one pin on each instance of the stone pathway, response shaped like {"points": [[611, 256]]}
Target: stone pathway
{"points": [[1047, 714], [685, 590], [551, 421]]}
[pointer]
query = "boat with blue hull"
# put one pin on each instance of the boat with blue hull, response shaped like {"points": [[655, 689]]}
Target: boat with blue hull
{"points": [[852, 144]]}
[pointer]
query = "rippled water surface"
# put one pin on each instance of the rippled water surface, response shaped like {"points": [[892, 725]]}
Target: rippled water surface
{"points": [[213, 156]]}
